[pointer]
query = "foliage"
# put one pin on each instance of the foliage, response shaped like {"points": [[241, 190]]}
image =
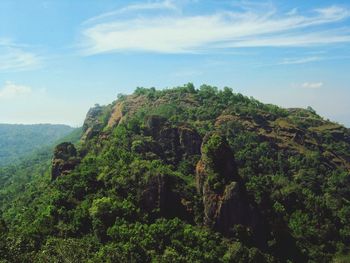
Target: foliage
{"points": [[133, 197]]}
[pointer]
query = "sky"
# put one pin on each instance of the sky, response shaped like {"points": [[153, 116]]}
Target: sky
{"points": [[60, 57]]}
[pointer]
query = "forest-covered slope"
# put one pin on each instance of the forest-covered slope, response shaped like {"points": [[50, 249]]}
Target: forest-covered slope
{"points": [[186, 175], [18, 140]]}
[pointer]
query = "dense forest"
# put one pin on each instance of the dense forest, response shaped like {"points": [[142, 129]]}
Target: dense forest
{"points": [[184, 175], [17, 141]]}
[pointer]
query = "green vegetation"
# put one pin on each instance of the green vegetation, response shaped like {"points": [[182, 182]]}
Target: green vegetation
{"points": [[142, 189], [17, 141]]}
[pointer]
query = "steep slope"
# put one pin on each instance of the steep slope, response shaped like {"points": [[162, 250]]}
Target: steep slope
{"points": [[17, 141], [187, 175]]}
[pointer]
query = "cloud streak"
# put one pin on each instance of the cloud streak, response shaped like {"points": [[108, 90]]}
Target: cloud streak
{"points": [[292, 61], [151, 6], [176, 33], [16, 57], [312, 85]]}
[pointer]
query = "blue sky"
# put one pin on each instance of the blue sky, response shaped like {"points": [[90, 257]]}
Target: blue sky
{"points": [[60, 57]]}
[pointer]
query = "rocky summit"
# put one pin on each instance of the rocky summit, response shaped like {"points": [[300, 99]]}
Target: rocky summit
{"points": [[189, 175]]}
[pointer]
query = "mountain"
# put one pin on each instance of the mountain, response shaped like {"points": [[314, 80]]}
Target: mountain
{"points": [[185, 175], [17, 141]]}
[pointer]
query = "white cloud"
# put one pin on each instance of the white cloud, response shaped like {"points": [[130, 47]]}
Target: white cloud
{"points": [[176, 33], [291, 61], [150, 6], [16, 57], [332, 11], [304, 60], [296, 40], [11, 90], [312, 85]]}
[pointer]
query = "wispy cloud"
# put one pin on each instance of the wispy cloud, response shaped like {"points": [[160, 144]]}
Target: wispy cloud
{"points": [[296, 39], [177, 33], [331, 11], [304, 60], [17, 57], [12, 90], [291, 61], [312, 85], [150, 6]]}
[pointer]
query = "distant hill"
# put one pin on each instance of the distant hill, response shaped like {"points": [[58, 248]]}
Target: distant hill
{"points": [[17, 140]]}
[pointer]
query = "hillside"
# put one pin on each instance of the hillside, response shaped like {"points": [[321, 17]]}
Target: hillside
{"points": [[17, 141], [187, 175]]}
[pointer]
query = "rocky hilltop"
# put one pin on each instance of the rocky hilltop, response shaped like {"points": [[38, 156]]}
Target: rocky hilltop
{"points": [[197, 175]]}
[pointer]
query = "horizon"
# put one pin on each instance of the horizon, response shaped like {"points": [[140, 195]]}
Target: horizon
{"points": [[39, 123], [76, 126], [58, 58]]}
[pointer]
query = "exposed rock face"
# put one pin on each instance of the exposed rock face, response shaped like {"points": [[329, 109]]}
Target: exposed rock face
{"points": [[190, 140], [233, 208], [65, 159], [153, 196], [154, 124], [173, 143], [116, 115], [159, 198], [224, 196], [92, 125], [217, 163]]}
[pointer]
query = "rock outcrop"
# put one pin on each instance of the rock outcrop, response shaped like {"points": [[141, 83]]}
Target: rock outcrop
{"points": [[116, 116], [224, 196], [173, 144], [65, 159], [159, 198], [92, 125], [153, 195]]}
